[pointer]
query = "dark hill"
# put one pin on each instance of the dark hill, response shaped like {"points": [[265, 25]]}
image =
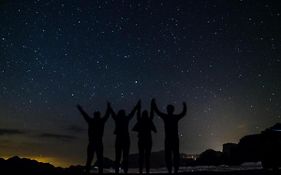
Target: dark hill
{"points": [[16, 165]]}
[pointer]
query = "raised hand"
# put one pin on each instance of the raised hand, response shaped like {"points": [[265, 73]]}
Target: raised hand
{"points": [[182, 114], [139, 104], [84, 114], [107, 113], [108, 105], [79, 106]]}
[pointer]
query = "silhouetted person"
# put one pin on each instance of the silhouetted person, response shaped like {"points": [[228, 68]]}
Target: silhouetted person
{"points": [[144, 126], [122, 142], [95, 133], [171, 134]]}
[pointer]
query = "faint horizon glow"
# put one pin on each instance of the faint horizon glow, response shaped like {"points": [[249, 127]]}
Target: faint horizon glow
{"points": [[57, 162]]}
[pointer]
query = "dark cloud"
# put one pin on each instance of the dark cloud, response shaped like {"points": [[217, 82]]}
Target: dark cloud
{"points": [[10, 131], [57, 136], [75, 129]]}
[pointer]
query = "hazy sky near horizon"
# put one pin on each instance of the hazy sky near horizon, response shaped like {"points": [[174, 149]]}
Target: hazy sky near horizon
{"points": [[221, 57]]}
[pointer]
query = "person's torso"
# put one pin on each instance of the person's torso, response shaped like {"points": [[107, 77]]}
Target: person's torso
{"points": [[96, 129], [171, 127], [121, 126], [144, 129]]}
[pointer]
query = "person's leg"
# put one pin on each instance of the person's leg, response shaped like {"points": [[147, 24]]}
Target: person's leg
{"points": [[176, 155], [126, 150], [168, 156], [117, 155], [147, 156], [141, 155], [90, 156], [100, 157]]}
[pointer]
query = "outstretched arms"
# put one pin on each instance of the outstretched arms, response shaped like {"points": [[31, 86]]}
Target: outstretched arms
{"points": [[84, 114], [111, 111], [182, 114], [153, 128], [139, 111], [137, 107], [155, 108], [151, 115], [107, 113]]}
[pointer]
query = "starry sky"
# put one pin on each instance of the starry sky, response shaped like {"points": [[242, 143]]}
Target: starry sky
{"points": [[222, 57]]}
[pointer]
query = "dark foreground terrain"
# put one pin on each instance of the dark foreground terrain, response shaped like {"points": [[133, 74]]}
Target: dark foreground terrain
{"points": [[244, 172], [248, 172], [20, 166]]}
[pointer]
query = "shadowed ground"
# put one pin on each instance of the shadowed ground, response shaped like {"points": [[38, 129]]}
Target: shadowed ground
{"points": [[247, 172], [16, 165]]}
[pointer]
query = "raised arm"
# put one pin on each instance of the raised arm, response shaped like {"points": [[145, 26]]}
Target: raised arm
{"points": [[107, 113], [139, 111], [155, 108], [153, 128], [84, 114], [151, 115], [111, 112], [182, 114], [132, 113]]}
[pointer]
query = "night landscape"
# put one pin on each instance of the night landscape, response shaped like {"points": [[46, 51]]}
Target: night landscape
{"points": [[140, 86]]}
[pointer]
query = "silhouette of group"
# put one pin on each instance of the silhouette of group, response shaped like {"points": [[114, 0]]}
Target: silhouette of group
{"points": [[143, 127]]}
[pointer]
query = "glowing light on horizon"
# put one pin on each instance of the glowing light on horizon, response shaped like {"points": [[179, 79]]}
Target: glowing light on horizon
{"points": [[45, 159]]}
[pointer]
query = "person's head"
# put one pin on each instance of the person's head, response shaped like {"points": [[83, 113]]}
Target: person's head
{"points": [[97, 115], [170, 109], [145, 114], [121, 112]]}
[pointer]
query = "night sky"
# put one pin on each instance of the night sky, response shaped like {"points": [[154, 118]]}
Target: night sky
{"points": [[222, 57]]}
